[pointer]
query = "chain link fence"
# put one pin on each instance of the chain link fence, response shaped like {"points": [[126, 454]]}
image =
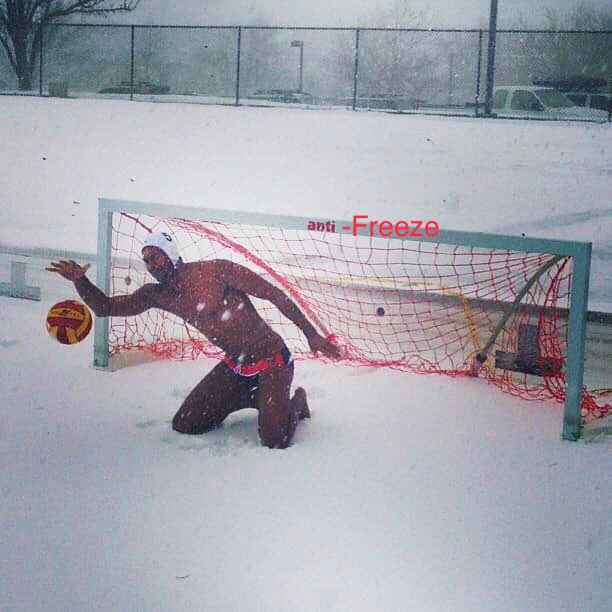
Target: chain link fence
{"points": [[400, 70]]}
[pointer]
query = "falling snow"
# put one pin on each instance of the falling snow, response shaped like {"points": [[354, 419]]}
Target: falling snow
{"points": [[435, 483]]}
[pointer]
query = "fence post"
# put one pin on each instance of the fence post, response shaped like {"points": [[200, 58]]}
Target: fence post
{"points": [[491, 58], [133, 28], [356, 70], [238, 47], [479, 70], [40, 60]]}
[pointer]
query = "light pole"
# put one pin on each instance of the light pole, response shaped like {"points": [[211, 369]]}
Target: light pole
{"points": [[300, 44], [491, 58]]}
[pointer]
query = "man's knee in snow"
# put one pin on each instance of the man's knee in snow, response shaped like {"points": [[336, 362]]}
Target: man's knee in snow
{"points": [[183, 422], [277, 438]]}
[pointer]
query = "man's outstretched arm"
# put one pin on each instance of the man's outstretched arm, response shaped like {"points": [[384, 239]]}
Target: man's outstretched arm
{"points": [[243, 279], [97, 300]]}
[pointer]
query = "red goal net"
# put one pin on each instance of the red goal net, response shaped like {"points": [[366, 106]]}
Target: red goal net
{"points": [[417, 306]]}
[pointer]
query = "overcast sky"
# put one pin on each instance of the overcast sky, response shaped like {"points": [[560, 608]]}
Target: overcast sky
{"points": [[464, 14]]}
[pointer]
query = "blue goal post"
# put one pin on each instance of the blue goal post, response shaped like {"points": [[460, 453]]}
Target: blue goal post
{"points": [[579, 252]]}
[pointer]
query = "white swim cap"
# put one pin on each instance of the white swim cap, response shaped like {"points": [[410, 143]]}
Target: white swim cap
{"points": [[165, 242]]}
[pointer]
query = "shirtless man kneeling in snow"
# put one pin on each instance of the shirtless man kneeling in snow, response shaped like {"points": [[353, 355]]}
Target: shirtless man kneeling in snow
{"points": [[257, 369]]}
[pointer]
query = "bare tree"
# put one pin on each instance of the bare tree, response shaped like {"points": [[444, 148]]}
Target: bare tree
{"points": [[398, 63], [580, 55], [22, 23], [582, 17]]}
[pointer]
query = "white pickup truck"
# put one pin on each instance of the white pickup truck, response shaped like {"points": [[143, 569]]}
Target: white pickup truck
{"points": [[535, 102]]}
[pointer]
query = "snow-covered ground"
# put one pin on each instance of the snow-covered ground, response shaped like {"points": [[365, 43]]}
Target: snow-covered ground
{"points": [[537, 178], [403, 492]]}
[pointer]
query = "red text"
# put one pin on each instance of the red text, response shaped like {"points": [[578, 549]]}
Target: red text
{"points": [[386, 229]]}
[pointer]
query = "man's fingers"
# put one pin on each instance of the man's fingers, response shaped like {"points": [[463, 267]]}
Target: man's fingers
{"points": [[329, 350], [68, 269], [334, 351], [324, 346]]}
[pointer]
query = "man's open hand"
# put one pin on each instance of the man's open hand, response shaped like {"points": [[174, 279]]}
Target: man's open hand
{"points": [[324, 345], [70, 270]]}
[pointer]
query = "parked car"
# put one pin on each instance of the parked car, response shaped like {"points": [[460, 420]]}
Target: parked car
{"points": [[140, 87], [591, 99], [576, 82], [388, 101], [536, 102], [283, 95]]}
